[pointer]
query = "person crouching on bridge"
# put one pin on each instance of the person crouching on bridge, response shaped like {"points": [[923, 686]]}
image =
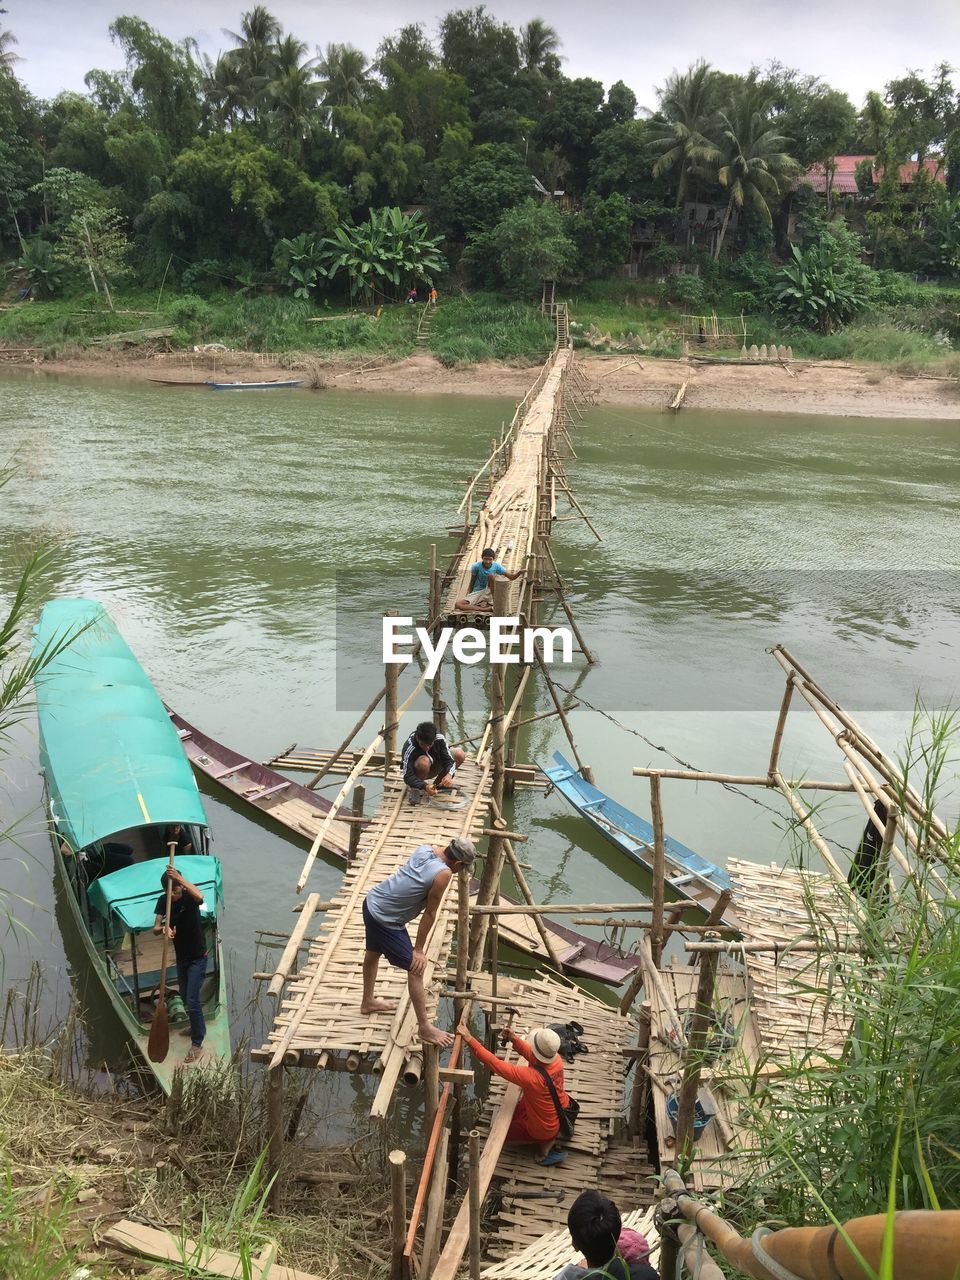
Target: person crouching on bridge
{"points": [[427, 762], [535, 1119], [480, 595], [418, 886]]}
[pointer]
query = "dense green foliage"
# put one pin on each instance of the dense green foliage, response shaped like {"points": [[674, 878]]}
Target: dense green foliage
{"points": [[469, 160]]}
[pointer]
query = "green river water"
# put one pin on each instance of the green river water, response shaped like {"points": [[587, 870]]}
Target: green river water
{"points": [[246, 544]]}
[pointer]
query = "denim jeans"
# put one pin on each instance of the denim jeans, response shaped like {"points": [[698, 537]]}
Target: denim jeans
{"points": [[191, 974]]}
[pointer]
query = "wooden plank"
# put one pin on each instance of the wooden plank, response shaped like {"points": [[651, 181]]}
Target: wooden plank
{"points": [[162, 1246], [453, 1251]]}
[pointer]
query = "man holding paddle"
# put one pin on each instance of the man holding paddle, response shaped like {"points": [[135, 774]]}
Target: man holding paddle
{"points": [[189, 944]]}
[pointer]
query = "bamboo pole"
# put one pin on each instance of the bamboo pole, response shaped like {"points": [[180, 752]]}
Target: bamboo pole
{"points": [[739, 779], [810, 829], [640, 1091], [359, 796], [433, 1224], [523, 886], [312, 783], [352, 776], [781, 725], [564, 908], [398, 1207], [715, 918], [585, 770], [294, 943], [734, 949], [672, 1023], [274, 1133], [925, 1241], [431, 1084], [699, 1028], [391, 720], [474, 1196], [659, 871]]}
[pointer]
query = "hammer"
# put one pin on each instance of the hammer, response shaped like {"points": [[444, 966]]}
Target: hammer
{"points": [[512, 1012]]}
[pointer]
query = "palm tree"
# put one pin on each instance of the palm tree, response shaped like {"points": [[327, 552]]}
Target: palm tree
{"points": [[288, 54], [539, 45], [7, 56], [345, 76], [255, 54], [294, 95], [226, 88], [684, 137], [754, 166]]}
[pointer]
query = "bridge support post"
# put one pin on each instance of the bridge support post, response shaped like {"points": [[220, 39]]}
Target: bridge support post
{"points": [[390, 717]]}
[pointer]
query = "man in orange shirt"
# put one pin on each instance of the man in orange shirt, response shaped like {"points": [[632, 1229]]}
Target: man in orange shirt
{"points": [[535, 1119]]}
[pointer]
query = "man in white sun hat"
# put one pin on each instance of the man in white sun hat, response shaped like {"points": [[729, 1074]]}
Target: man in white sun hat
{"points": [[537, 1117]]}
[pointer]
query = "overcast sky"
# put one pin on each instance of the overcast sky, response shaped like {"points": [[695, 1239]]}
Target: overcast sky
{"points": [[855, 45]]}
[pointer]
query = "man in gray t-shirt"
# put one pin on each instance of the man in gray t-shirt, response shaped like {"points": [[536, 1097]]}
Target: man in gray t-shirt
{"points": [[416, 887]]}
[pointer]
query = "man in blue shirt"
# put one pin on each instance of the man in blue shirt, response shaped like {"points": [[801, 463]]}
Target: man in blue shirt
{"points": [[480, 595]]}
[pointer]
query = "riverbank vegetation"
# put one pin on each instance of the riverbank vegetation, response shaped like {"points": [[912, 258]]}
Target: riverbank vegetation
{"points": [[279, 198]]}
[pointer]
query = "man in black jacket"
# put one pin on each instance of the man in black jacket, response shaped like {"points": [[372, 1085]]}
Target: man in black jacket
{"points": [[190, 946], [427, 762]]}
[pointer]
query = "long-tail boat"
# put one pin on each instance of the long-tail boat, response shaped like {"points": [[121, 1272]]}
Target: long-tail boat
{"points": [[115, 778], [299, 811], [689, 874]]}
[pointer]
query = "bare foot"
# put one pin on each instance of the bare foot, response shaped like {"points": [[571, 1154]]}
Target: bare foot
{"points": [[378, 1006], [433, 1035]]}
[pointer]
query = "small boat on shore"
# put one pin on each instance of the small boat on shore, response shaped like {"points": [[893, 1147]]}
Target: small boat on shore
{"points": [[115, 778], [178, 382], [688, 874], [288, 804], [276, 384], [299, 811]]}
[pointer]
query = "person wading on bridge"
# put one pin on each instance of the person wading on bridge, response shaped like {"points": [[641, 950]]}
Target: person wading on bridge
{"points": [[390, 906], [427, 762], [480, 595]]}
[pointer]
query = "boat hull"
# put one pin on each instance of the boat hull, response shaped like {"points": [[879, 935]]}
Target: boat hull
{"points": [[687, 873]]}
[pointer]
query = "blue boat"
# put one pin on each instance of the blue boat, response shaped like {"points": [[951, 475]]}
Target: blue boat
{"points": [[115, 776], [253, 386], [688, 874]]}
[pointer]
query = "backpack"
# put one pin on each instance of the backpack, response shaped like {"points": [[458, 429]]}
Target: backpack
{"points": [[570, 1042]]}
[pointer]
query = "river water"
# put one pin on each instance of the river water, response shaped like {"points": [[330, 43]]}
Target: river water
{"points": [[244, 544]]}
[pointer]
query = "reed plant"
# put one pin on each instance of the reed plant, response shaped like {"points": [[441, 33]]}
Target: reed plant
{"points": [[836, 1131]]}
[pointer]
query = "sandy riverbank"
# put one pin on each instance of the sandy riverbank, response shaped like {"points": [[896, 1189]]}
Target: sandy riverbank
{"points": [[835, 389]]}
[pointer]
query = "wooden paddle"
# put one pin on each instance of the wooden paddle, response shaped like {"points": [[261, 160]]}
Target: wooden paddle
{"points": [[158, 1046]]}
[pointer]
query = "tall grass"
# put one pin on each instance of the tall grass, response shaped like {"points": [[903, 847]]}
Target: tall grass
{"points": [[827, 1128], [34, 1241], [482, 327]]}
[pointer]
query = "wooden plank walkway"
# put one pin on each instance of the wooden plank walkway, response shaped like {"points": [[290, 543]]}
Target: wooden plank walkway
{"points": [[510, 516], [542, 1259], [319, 1021], [595, 1079], [793, 1015], [774, 1003]]}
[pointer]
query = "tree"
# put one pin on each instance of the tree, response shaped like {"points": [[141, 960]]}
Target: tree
{"points": [[622, 161], [344, 75], [754, 167], [384, 254], [539, 48], [94, 239], [484, 53], [255, 55], [527, 246], [600, 233], [8, 59], [620, 106], [821, 121], [474, 194], [164, 78], [682, 138], [569, 125]]}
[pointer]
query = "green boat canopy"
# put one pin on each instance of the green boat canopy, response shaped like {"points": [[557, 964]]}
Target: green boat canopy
{"points": [[131, 894], [111, 756]]}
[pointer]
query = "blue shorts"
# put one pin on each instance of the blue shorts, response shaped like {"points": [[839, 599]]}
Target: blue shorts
{"points": [[395, 944]]}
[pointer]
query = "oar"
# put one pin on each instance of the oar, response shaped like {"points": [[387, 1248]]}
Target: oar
{"points": [[158, 1046]]}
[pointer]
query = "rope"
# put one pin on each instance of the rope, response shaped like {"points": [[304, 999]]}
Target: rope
{"points": [[781, 822], [776, 1269]]}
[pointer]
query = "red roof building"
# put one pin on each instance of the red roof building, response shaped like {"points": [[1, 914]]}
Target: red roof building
{"points": [[845, 181]]}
